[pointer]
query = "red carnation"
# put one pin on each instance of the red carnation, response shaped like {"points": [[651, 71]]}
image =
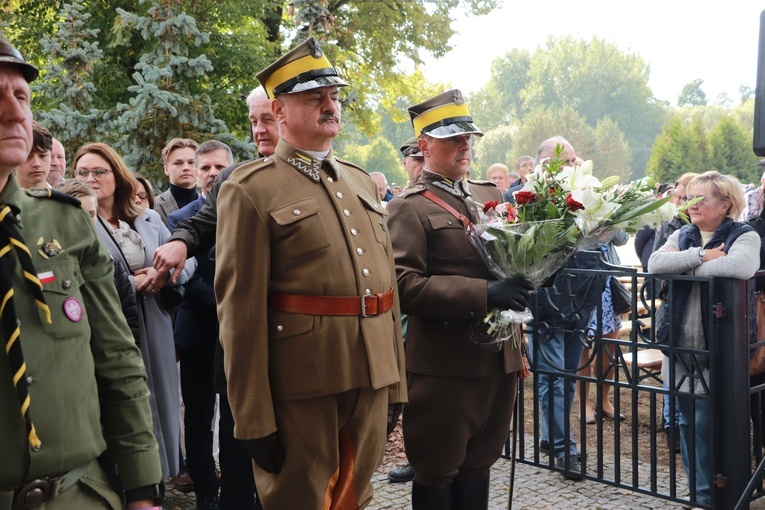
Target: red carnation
{"points": [[488, 206], [573, 204], [524, 197]]}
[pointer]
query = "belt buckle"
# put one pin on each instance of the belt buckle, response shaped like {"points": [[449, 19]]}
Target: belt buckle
{"points": [[32, 495], [364, 303]]}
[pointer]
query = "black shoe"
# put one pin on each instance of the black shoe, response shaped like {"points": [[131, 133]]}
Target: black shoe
{"points": [[544, 447], [401, 474], [207, 503], [572, 471]]}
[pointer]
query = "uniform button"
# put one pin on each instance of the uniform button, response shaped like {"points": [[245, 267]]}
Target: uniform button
{"points": [[30, 379], [354, 232], [296, 212], [449, 223], [33, 498], [339, 194], [330, 179], [365, 272], [279, 327], [471, 315], [266, 160], [346, 212], [67, 285], [375, 206], [367, 291], [359, 251], [472, 208], [446, 323]]}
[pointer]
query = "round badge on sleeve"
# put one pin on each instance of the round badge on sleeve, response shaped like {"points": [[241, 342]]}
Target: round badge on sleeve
{"points": [[73, 309]]}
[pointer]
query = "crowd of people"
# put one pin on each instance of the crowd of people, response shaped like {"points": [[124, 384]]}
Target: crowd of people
{"points": [[281, 284]]}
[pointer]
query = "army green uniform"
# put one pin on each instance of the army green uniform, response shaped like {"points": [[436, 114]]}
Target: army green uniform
{"points": [[303, 226], [88, 383]]}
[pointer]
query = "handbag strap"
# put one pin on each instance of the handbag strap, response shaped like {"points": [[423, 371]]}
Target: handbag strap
{"points": [[451, 210], [111, 236]]}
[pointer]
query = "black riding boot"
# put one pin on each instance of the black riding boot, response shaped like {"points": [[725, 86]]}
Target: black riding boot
{"points": [[429, 497], [470, 494]]}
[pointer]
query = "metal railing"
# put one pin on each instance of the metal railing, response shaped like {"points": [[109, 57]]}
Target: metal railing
{"points": [[633, 454]]}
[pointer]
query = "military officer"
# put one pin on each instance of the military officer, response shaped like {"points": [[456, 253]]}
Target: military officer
{"points": [[71, 377], [411, 158], [315, 357], [461, 395]]}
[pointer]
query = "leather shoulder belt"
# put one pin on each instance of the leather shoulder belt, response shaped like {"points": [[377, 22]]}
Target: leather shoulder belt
{"points": [[365, 306], [451, 210]]}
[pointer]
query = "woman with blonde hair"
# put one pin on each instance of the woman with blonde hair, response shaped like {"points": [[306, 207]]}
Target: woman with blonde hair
{"points": [[499, 175], [715, 244], [133, 235]]}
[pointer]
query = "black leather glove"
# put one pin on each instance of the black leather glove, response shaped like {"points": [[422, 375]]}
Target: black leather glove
{"points": [[394, 411], [267, 452], [510, 293]]}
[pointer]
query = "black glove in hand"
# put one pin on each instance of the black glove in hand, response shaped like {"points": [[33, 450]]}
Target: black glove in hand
{"points": [[394, 411], [267, 452], [510, 293]]}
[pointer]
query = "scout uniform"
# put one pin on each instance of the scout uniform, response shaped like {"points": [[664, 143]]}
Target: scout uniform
{"points": [[308, 311], [461, 396], [87, 383]]}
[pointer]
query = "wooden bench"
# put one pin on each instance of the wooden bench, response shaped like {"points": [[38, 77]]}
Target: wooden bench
{"points": [[648, 363]]}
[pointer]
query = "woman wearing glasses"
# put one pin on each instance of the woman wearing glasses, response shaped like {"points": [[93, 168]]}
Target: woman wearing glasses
{"points": [[715, 244], [133, 233], [144, 193]]}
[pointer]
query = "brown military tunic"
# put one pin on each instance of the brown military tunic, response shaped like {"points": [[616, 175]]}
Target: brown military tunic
{"points": [[293, 224], [460, 395]]}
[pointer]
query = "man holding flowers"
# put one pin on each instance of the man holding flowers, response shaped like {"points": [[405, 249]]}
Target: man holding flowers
{"points": [[461, 395]]}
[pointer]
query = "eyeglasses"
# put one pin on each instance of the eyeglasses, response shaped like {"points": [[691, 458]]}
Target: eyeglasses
{"points": [[97, 172], [701, 199], [142, 195]]}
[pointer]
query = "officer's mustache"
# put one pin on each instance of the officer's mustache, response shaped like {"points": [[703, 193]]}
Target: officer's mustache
{"points": [[329, 116]]}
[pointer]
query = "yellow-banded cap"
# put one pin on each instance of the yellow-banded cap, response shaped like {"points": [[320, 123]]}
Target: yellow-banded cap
{"points": [[443, 116], [10, 55], [302, 68]]}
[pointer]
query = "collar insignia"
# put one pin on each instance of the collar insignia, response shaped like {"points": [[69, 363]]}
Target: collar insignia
{"points": [[308, 166]]}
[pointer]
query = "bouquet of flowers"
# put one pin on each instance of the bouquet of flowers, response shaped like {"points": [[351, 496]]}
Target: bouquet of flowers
{"points": [[559, 211]]}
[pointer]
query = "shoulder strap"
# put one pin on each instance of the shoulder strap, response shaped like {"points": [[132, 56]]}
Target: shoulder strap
{"points": [[108, 231], [451, 210]]}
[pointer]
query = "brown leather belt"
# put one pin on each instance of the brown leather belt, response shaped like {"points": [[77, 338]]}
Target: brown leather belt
{"points": [[41, 490], [366, 306]]}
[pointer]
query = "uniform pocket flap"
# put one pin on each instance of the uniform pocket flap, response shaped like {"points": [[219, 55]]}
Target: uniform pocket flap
{"points": [[295, 211], [285, 325], [439, 221], [59, 276]]}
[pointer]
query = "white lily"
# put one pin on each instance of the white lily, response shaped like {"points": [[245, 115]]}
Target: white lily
{"points": [[578, 177]]}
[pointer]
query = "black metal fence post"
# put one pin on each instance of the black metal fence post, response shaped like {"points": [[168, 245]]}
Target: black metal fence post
{"points": [[729, 374]]}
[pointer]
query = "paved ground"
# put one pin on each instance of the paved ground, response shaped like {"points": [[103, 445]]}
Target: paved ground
{"points": [[535, 488]]}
